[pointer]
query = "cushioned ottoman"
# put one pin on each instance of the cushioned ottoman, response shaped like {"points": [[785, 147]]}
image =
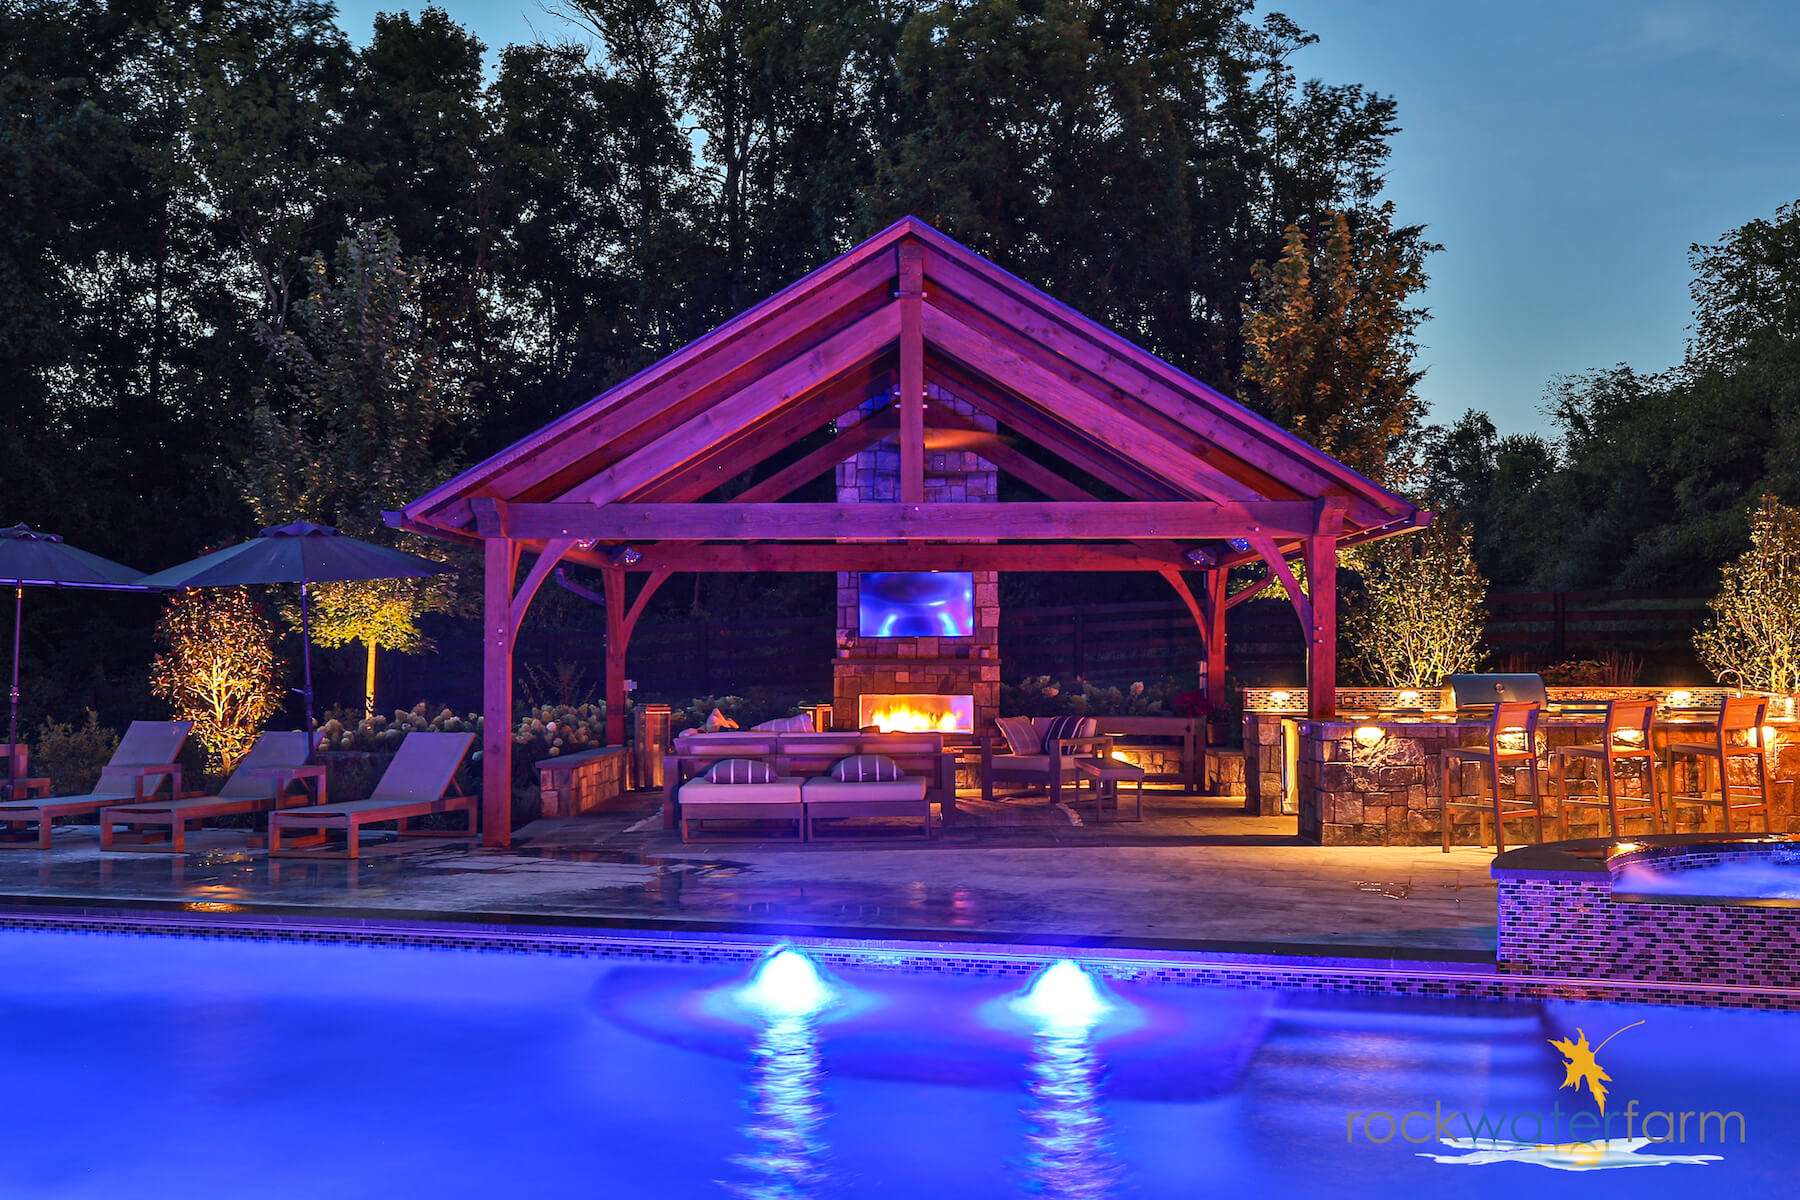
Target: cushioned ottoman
{"points": [[703, 800], [829, 798]]}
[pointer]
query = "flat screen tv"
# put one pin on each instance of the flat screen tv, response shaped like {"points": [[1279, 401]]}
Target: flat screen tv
{"points": [[916, 604]]}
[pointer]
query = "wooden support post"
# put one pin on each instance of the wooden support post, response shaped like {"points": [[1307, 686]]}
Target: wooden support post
{"points": [[912, 373], [1216, 609], [500, 563], [1321, 634], [617, 635]]}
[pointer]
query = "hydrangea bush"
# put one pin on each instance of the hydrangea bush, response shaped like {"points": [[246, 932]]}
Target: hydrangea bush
{"points": [[1046, 696], [541, 731]]}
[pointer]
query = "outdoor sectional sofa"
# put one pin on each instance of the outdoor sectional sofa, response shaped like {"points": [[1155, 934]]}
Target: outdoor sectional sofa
{"points": [[803, 791]]}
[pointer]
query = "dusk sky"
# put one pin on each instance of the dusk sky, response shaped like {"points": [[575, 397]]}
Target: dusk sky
{"points": [[1565, 154]]}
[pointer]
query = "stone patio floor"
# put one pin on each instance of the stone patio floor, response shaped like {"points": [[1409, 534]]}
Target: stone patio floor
{"points": [[1196, 874]]}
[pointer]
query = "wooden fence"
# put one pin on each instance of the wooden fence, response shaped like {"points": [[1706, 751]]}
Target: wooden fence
{"points": [[1117, 644], [1557, 626]]}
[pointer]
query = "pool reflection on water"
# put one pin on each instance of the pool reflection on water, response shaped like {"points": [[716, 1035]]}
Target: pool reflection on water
{"points": [[175, 1066]]}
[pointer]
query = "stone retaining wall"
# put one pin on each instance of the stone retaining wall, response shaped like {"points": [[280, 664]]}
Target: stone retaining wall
{"points": [[570, 785]]}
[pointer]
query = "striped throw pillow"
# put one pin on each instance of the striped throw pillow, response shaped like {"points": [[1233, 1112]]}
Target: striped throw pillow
{"points": [[795, 724], [1021, 735], [866, 768], [741, 770], [1069, 727]]}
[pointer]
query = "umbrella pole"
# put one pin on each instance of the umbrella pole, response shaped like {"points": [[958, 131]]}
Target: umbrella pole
{"points": [[12, 719], [306, 652]]}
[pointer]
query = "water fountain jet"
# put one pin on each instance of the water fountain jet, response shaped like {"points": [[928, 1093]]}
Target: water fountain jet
{"points": [[786, 984]]}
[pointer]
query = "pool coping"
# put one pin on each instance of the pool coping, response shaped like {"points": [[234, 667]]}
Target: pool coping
{"points": [[713, 927], [866, 950]]}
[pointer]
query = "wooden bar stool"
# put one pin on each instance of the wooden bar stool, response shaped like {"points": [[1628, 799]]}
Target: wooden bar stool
{"points": [[1625, 737], [1510, 720], [1739, 717]]}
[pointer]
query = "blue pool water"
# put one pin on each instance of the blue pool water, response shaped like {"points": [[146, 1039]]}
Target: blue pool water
{"points": [[154, 1067], [1752, 876]]}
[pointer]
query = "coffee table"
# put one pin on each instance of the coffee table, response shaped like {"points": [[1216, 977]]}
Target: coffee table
{"points": [[1104, 775]]}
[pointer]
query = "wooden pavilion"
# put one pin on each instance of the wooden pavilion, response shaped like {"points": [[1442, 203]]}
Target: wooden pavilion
{"points": [[1140, 467]]}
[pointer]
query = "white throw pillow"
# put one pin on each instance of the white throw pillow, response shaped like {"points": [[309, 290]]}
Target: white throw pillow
{"points": [[866, 768], [741, 770]]}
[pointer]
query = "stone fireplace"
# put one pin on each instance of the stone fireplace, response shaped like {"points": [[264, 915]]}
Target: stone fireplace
{"points": [[937, 674]]}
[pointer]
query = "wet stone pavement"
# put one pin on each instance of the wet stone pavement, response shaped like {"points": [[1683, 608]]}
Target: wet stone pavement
{"points": [[1197, 874]]}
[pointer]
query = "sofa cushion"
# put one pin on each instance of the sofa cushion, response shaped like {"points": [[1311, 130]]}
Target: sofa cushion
{"points": [[1021, 734], [1038, 763], [835, 791], [802, 723], [737, 772], [699, 792], [866, 768]]}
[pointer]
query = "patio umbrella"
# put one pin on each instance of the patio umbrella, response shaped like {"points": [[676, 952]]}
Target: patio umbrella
{"points": [[300, 553], [29, 558]]}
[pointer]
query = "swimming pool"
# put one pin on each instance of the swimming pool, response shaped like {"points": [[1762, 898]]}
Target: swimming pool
{"points": [[140, 1066]]}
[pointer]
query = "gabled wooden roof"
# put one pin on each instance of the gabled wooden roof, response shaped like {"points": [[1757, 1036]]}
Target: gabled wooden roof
{"points": [[669, 435]]}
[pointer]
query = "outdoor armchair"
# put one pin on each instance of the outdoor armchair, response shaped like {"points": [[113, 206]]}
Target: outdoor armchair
{"points": [[1051, 767]]}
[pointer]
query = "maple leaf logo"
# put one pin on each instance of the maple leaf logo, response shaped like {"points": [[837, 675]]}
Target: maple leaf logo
{"points": [[1581, 1063]]}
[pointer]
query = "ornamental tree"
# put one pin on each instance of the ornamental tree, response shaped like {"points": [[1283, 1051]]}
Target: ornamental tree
{"points": [[218, 669], [1419, 617], [1752, 638]]}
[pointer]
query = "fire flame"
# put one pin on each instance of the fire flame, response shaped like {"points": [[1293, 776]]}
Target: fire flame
{"points": [[902, 716]]}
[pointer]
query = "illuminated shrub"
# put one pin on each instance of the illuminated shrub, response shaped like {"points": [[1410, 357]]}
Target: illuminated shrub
{"points": [[1419, 616], [218, 669], [1752, 639]]}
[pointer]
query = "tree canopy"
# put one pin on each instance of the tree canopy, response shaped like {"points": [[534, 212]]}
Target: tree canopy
{"points": [[572, 209], [1648, 480]]}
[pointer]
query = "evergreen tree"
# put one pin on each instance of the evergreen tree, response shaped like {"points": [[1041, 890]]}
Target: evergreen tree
{"points": [[1329, 340]]}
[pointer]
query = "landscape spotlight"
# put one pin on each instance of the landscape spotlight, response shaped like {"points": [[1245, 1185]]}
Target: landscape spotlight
{"points": [[627, 556]]}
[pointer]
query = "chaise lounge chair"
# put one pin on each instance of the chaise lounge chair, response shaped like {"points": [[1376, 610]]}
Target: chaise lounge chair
{"points": [[144, 759], [256, 786], [416, 784]]}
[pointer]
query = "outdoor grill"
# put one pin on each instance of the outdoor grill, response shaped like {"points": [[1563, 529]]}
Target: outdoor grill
{"points": [[1485, 691]]}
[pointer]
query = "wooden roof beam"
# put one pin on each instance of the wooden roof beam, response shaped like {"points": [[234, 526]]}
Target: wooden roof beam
{"points": [[777, 432], [1003, 360], [1037, 521], [721, 361], [709, 557], [1221, 420], [1067, 443], [843, 351]]}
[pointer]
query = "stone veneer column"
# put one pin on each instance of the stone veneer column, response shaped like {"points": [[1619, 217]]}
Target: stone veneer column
{"points": [[930, 665]]}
